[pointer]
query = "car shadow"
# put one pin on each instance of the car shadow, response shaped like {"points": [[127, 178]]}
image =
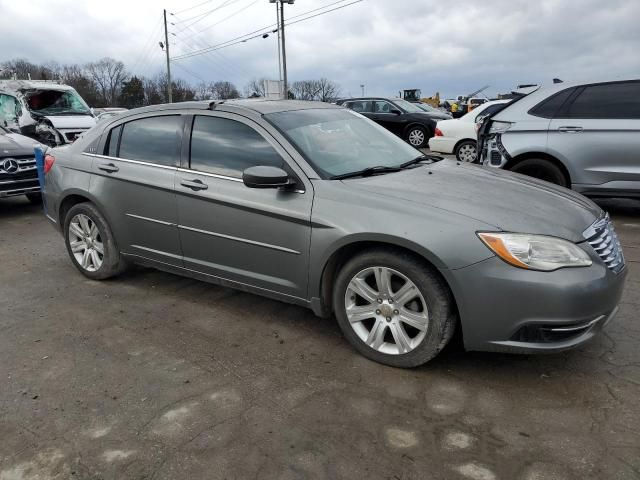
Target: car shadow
{"points": [[620, 207], [17, 207]]}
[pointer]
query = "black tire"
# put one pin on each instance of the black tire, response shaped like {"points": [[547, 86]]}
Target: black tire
{"points": [[35, 198], [419, 131], [439, 302], [541, 169], [461, 147], [112, 261]]}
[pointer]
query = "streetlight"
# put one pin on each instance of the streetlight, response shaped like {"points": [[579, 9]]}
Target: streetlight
{"points": [[362, 87], [284, 51]]}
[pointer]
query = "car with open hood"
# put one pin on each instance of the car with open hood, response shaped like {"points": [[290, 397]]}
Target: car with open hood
{"points": [[47, 111], [318, 206]]}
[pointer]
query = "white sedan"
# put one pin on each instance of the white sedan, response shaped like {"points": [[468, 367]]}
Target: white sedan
{"points": [[458, 136]]}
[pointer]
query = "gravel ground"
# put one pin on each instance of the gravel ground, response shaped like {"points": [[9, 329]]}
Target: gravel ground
{"points": [[154, 376]]}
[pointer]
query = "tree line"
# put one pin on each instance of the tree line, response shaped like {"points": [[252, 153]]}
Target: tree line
{"points": [[107, 83]]}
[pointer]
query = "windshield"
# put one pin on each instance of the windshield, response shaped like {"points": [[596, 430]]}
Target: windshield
{"points": [[340, 141], [407, 106], [56, 102]]}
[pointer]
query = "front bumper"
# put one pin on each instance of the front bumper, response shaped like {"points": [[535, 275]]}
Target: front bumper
{"points": [[508, 309]]}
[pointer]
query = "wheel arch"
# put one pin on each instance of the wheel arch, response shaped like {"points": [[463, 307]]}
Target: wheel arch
{"points": [[334, 260], [461, 141], [429, 128], [542, 155], [73, 197]]}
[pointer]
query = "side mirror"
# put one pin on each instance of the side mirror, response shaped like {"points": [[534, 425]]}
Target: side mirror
{"points": [[396, 111], [265, 177]]}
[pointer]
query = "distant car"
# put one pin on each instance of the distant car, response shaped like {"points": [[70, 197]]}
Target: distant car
{"points": [[47, 111], [458, 136], [433, 112], [398, 116], [18, 174], [584, 136]]}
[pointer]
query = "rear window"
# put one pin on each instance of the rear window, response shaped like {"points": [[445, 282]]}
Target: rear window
{"points": [[152, 139], [548, 107], [608, 101]]}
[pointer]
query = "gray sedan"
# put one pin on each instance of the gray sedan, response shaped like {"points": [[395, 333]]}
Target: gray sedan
{"points": [[315, 205]]}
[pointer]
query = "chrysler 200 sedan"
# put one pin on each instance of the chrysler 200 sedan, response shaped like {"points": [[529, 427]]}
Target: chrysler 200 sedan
{"points": [[316, 205]]}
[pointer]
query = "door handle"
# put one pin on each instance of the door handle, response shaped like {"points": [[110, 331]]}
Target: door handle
{"points": [[569, 129], [108, 167], [194, 184]]}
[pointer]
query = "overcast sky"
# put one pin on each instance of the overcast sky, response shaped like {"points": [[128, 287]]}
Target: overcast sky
{"points": [[453, 47]]}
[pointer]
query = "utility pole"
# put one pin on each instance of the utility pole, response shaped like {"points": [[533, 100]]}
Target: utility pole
{"points": [[166, 49], [284, 52], [279, 54]]}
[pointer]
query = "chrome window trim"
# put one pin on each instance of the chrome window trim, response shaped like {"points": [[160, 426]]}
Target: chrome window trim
{"points": [[206, 174], [126, 160]]}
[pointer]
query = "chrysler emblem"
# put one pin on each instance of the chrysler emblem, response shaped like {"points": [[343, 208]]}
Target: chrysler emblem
{"points": [[10, 165]]}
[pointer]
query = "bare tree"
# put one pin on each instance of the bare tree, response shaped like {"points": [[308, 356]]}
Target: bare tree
{"points": [[108, 75], [203, 91], [327, 91], [224, 90], [255, 88]]}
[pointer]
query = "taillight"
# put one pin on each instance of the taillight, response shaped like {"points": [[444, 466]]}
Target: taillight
{"points": [[438, 132], [49, 160]]}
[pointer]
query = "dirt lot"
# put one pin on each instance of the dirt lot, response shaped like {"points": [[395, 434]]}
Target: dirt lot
{"points": [[153, 376]]}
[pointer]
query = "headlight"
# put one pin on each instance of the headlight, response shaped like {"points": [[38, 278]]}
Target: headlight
{"points": [[499, 127], [535, 252]]}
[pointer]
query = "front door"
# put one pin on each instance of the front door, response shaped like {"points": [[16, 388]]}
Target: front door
{"points": [[382, 114], [257, 237], [133, 181]]}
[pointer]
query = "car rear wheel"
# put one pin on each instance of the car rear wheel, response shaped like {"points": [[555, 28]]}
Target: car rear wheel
{"points": [[417, 137], [393, 309], [90, 243], [466, 151], [541, 169]]}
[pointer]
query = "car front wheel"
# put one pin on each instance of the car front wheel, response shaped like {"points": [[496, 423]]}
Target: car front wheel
{"points": [[417, 137], [393, 309], [91, 244], [541, 169]]}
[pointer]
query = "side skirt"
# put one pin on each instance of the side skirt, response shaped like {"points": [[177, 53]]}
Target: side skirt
{"points": [[205, 277]]}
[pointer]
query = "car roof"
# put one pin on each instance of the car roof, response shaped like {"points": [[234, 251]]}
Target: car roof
{"points": [[15, 85], [260, 106]]}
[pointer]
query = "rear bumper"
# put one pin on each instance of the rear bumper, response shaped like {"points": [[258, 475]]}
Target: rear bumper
{"points": [[442, 144], [507, 309]]}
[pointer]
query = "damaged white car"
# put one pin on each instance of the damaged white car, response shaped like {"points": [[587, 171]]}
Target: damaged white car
{"points": [[47, 111]]}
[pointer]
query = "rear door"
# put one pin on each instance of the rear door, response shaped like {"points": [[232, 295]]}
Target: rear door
{"points": [[133, 181], [257, 237], [597, 134]]}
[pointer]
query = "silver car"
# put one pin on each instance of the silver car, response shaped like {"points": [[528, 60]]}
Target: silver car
{"points": [[315, 205], [585, 136]]}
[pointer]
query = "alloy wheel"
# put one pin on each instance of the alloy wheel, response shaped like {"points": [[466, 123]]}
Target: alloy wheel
{"points": [[416, 137], [467, 153], [386, 310], [86, 243]]}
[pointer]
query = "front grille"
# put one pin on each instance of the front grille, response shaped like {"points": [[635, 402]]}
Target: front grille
{"points": [[603, 239], [22, 164]]}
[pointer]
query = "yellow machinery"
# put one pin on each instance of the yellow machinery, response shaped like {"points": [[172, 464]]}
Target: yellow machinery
{"points": [[415, 95]]}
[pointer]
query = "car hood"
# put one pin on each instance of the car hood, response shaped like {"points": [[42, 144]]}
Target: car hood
{"points": [[72, 121], [15, 144], [508, 201]]}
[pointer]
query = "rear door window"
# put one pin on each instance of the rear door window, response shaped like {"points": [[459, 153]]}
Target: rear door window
{"points": [[111, 145], [227, 147], [152, 139], [359, 106], [619, 100], [548, 107]]}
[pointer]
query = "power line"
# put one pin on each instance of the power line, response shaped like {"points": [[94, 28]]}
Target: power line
{"points": [[225, 19], [242, 39], [148, 43], [191, 8], [204, 15]]}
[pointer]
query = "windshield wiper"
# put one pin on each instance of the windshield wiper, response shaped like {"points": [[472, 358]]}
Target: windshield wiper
{"points": [[421, 158], [367, 172]]}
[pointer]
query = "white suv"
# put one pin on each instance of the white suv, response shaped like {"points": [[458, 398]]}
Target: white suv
{"points": [[584, 136]]}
